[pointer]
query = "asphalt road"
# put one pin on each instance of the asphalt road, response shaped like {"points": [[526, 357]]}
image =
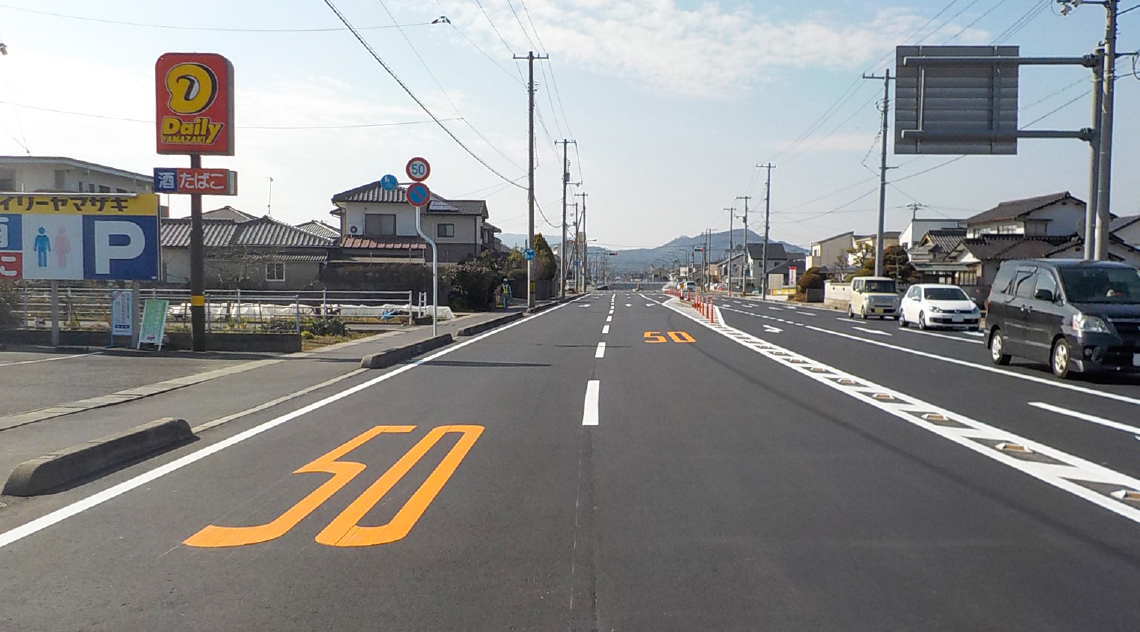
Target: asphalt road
{"points": [[617, 463]]}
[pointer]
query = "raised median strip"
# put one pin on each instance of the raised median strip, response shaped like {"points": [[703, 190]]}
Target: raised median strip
{"points": [[488, 325], [58, 469], [385, 359]]}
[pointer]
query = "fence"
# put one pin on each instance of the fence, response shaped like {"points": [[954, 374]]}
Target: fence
{"points": [[90, 307]]}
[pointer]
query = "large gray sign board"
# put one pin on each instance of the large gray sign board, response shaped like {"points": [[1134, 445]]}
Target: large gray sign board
{"points": [[943, 106]]}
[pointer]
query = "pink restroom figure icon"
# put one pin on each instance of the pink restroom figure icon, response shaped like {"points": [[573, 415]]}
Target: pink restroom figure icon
{"points": [[61, 246]]}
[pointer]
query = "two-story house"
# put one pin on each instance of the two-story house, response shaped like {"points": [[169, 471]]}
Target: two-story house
{"points": [[379, 226], [59, 174], [831, 252]]}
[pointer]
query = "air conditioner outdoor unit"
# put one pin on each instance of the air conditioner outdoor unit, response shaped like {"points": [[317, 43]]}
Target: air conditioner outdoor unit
{"points": [[353, 229]]}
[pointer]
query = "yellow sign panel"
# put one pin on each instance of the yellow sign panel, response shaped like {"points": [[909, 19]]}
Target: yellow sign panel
{"points": [[100, 204]]}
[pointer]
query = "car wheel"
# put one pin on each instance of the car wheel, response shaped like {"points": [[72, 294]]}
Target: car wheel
{"points": [[902, 320], [922, 320], [997, 347], [850, 314], [863, 312], [1059, 358]]}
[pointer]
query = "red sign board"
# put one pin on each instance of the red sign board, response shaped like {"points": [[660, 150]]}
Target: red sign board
{"points": [[194, 104], [419, 194], [204, 181]]}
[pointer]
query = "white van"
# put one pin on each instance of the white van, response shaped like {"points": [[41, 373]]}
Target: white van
{"points": [[874, 296]]}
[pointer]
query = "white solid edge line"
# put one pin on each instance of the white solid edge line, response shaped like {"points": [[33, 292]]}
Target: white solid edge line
{"points": [[63, 513], [981, 367], [946, 336], [66, 357], [601, 352], [1061, 476], [1087, 417], [590, 408]]}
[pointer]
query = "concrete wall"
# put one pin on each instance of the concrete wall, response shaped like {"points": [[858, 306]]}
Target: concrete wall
{"points": [[837, 294]]}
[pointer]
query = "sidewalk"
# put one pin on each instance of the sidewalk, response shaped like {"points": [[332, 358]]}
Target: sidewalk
{"points": [[198, 396]]}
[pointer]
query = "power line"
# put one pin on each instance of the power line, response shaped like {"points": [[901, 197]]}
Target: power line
{"points": [[176, 27], [390, 72], [979, 19], [1054, 111], [270, 127]]}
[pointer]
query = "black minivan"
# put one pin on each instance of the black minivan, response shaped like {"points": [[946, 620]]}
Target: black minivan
{"points": [[1076, 315]]}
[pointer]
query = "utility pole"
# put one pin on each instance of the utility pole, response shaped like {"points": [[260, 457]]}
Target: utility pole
{"points": [[562, 247], [731, 250], [585, 243], [1094, 157], [747, 264], [882, 171], [530, 57], [1104, 181]]}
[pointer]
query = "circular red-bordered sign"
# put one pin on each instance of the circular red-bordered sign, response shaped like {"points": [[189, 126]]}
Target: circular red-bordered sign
{"points": [[418, 169], [418, 194]]}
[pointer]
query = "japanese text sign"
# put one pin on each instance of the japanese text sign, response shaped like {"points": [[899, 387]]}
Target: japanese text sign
{"points": [[204, 181], [194, 100], [74, 237]]}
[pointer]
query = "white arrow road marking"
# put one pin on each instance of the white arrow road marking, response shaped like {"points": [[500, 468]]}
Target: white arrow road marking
{"points": [[628, 305], [1108, 423], [772, 330], [590, 409]]}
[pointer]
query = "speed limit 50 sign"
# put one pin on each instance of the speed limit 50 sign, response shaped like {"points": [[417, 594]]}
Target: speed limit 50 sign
{"points": [[418, 169]]}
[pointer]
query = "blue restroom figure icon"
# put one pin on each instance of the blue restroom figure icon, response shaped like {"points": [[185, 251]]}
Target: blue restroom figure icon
{"points": [[42, 246]]}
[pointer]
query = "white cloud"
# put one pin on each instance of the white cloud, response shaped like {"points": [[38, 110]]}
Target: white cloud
{"points": [[708, 51]]}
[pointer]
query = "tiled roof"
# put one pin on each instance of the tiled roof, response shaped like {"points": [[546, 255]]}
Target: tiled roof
{"points": [[946, 239], [492, 227], [263, 232], [1003, 247], [230, 213], [1123, 222], [374, 193], [268, 232], [320, 229], [1017, 208], [216, 233], [385, 243]]}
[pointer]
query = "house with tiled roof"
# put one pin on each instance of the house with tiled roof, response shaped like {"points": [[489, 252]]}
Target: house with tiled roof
{"points": [[1053, 215], [257, 253], [320, 229], [379, 226]]}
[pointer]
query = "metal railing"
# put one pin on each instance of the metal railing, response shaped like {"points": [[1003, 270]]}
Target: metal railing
{"points": [[90, 307]]}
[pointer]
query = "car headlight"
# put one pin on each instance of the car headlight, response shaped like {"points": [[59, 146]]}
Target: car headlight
{"points": [[1090, 324], [936, 309]]}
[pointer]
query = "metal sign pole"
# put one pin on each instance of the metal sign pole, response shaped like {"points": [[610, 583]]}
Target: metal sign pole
{"points": [[55, 313], [197, 268], [434, 274]]}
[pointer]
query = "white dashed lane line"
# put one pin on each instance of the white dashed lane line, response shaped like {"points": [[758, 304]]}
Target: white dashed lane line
{"points": [[590, 408], [1090, 481], [1108, 423], [605, 330], [601, 352]]}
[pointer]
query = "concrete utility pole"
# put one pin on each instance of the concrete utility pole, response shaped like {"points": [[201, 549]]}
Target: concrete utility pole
{"points": [[562, 246], [882, 171], [747, 265], [585, 243], [530, 57], [731, 250], [767, 223], [1104, 181]]}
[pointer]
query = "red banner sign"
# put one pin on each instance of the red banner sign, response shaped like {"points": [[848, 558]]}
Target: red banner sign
{"points": [[194, 101]]}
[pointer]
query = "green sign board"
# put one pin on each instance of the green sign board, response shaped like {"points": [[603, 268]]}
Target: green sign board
{"points": [[153, 322]]}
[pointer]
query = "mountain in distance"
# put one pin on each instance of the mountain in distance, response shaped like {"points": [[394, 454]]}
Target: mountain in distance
{"points": [[679, 248], [662, 256]]}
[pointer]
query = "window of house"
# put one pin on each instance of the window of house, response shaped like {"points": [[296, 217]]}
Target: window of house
{"points": [[379, 225], [90, 188], [104, 188], [275, 272], [445, 230]]}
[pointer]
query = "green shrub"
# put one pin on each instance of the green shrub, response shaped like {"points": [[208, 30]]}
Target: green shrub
{"points": [[280, 325], [329, 326], [308, 335]]}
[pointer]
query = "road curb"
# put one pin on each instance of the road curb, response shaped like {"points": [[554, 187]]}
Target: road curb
{"points": [[488, 325], [545, 306], [55, 470], [385, 359]]}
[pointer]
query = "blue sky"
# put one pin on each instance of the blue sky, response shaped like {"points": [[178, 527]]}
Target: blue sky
{"points": [[673, 104]]}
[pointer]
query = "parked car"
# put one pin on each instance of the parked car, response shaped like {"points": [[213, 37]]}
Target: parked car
{"points": [[936, 305], [874, 296], [689, 286], [1076, 315]]}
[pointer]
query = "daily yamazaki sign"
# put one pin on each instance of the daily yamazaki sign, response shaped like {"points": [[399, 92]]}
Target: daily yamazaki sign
{"points": [[194, 99]]}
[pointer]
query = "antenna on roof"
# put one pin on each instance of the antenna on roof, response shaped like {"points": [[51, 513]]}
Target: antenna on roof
{"points": [[269, 207]]}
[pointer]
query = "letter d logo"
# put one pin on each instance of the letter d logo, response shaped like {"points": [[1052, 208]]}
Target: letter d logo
{"points": [[192, 88]]}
